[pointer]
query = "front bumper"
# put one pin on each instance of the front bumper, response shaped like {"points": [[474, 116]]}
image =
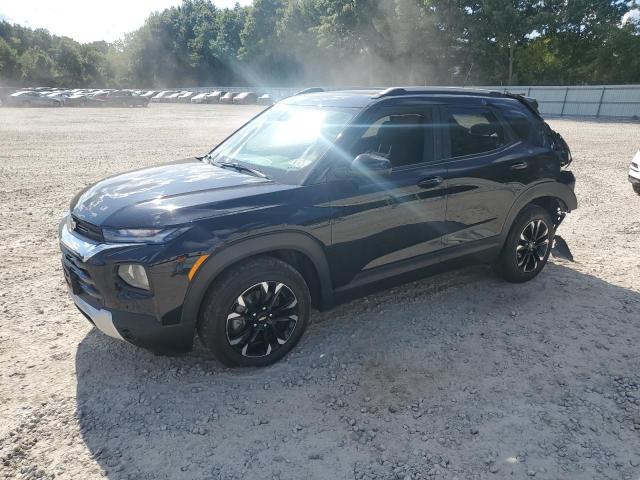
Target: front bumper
{"points": [[101, 318], [148, 319]]}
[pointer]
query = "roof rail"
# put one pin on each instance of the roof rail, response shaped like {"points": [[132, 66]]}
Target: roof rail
{"points": [[310, 90], [389, 92]]}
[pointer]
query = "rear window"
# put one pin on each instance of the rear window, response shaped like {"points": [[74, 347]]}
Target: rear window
{"points": [[519, 123]]}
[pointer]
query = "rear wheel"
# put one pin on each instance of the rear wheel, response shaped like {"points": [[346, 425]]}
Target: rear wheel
{"points": [[528, 245], [636, 188], [255, 313]]}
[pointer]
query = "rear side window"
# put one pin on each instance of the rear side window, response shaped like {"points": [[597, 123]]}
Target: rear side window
{"points": [[519, 123], [473, 131]]}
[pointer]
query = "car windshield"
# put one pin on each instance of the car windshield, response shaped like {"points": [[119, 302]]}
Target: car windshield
{"points": [[285, 141]]}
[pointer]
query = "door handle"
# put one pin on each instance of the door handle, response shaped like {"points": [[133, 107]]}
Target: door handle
{"points": [[430, 182], [519, 166]]}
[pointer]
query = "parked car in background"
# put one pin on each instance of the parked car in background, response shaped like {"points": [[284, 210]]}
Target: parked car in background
{"points": [[31, 98], [265, 99], [122, 98], [5, 92], [214, 97], [199, 98], [148, 94], [171, 98], [184, 97], [76, 99], [228, 97], [634, 173], [239, 244], [160, 96], [245, 98]]}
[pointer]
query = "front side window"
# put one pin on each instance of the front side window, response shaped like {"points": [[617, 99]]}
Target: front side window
{"points": [[399, 137], [473, 131], [285, 141]]}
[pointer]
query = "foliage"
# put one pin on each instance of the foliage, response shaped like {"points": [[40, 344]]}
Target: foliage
{"points": [[356, 42]]}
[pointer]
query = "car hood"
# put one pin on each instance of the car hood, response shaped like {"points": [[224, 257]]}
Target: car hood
{"points": [[170, 194]]}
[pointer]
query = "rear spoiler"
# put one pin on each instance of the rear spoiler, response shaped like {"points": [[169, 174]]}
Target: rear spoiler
{"points": [[529, 102]]}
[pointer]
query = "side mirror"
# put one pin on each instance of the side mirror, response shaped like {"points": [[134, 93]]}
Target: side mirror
{"points": [[372, 162]]}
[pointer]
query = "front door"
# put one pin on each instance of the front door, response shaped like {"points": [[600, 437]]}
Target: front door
{"points": [[380, 220]]}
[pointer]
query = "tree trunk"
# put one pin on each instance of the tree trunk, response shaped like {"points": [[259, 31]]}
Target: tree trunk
{"points": [[511, 51]]}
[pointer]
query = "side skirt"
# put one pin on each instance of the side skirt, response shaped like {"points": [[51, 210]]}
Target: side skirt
{"points": [[480, 252]]}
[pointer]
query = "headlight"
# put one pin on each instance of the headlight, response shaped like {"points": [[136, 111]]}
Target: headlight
{"points": [[134, 275], [141, 235]]}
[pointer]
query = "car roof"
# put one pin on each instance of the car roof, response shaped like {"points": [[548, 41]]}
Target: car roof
{"points": [[362, 98]]}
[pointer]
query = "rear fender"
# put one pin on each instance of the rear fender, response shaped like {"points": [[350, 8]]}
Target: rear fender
{"points": [[547, 189]]}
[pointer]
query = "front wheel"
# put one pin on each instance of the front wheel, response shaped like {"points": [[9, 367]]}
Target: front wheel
{"points": [[255, 313], [636, 188], [528, 245]]}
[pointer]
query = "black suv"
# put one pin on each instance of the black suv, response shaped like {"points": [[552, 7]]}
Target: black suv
{"points": [[316, 197]]}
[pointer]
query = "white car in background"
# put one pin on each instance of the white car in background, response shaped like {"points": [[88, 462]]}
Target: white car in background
{"points": [[634, 173], [199, 98]]}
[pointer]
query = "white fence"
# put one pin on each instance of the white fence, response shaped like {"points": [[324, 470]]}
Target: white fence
{"points": [[622, 101]]}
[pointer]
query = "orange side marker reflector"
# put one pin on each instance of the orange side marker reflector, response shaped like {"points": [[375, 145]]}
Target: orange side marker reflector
{"points": [[196, 266]]}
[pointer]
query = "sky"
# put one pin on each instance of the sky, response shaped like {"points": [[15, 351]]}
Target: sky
{"points": [[88, 20]]}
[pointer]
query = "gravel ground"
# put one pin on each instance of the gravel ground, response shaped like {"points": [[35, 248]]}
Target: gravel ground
{"points": [[456, 376]]}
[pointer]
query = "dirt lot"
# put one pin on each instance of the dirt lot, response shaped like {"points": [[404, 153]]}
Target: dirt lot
{"points": [[456, 376]]}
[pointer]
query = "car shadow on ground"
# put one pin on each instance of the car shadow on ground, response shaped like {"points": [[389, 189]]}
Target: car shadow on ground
{"points": [[459, 373]]}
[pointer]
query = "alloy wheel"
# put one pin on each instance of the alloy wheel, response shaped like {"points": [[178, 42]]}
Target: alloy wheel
{"points": [[532, 246], [262, 319]]}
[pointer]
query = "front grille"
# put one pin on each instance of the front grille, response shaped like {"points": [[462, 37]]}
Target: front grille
{"points": [[78, 277], [88, 230]]}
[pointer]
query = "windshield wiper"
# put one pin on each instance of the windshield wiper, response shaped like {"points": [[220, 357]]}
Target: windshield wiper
{"points": [[240, 168]]}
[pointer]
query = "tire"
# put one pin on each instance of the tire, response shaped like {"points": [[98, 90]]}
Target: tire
{"points": [[522, 257], [228, 320], [636, 188]]}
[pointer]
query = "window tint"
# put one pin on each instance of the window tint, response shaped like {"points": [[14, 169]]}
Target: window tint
{"points": [[473, 131], [519, 122], [399, 137]]}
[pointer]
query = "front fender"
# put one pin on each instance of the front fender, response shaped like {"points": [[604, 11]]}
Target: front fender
{"points": [[226, 255]]}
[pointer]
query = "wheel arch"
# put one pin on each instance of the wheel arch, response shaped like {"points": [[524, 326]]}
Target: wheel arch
{"points": [[300, 250], [549, 195]]}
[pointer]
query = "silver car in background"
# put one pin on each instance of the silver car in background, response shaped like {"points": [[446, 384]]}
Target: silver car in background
{"points": [[30, 98]]}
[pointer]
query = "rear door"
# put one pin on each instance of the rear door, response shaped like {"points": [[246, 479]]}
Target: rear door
{"points": [[487, 168]]}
